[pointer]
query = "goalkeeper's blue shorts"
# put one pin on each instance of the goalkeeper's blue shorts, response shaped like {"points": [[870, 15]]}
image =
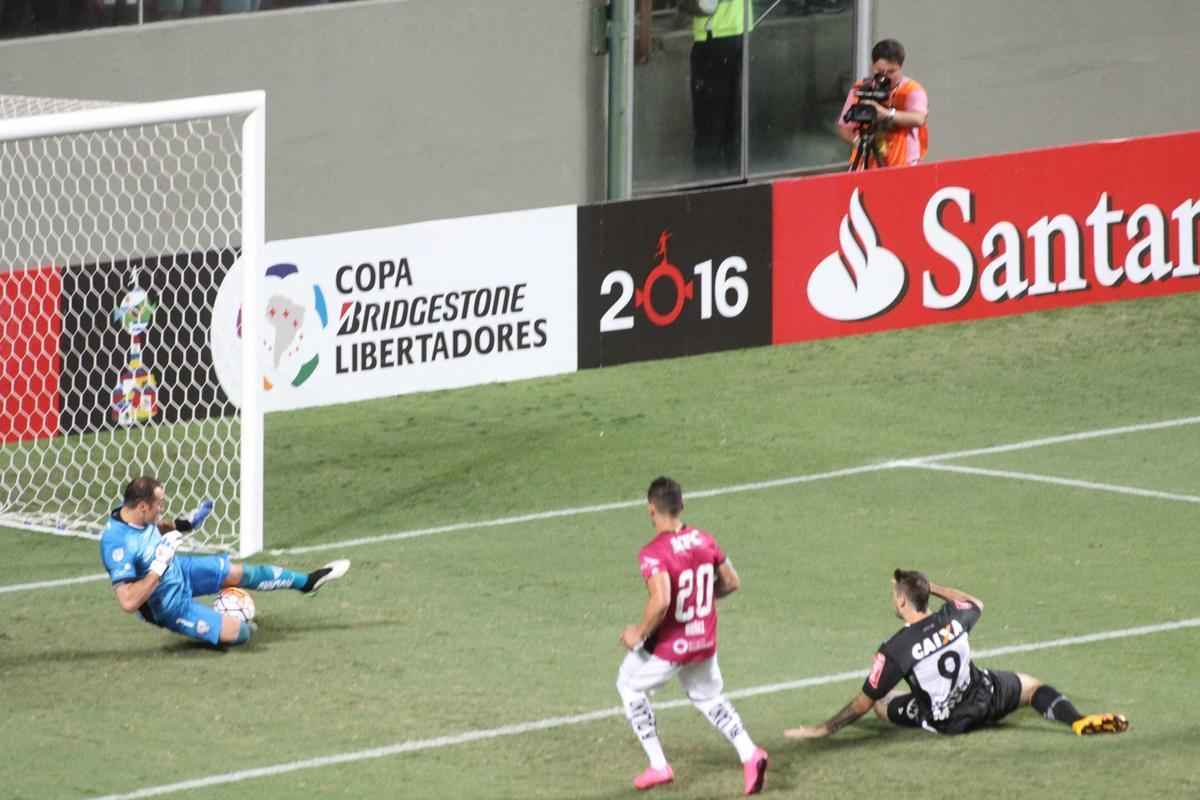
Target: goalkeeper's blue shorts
{"points": [[203, 575]]}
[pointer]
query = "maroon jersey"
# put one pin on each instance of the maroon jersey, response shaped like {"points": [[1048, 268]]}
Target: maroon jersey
{"points": [[691, 558]]}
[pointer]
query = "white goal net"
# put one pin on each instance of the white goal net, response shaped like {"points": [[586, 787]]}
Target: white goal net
{"points": [[118, 225]]}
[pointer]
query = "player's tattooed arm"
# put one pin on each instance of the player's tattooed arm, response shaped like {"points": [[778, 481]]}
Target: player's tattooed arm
{"points": [[860, 705], [850, 713]]}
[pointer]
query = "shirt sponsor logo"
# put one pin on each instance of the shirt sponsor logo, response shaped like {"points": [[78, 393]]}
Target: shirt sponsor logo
{"points": [[684, 646], [650, 565], [202, 627], [938, 639], [118, 554], [963, 604]]}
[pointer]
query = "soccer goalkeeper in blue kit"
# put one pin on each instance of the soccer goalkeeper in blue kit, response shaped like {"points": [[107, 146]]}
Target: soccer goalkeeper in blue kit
{"points": [[138, 550]]}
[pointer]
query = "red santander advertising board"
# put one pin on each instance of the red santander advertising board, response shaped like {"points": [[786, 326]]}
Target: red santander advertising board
{"points": [[985, 237]]}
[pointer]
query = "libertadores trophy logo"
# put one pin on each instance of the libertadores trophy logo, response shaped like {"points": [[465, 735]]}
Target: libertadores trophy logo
{"points": [[292, 329], [857, 281], [664, 269], [135, 397]]}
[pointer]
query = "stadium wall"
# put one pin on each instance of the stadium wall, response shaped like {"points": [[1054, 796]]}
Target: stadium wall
{"points": [[389, 111], [1023, 74], [379, 111]]}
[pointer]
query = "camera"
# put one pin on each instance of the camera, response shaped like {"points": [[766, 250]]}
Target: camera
{"points": [[877, 87]]}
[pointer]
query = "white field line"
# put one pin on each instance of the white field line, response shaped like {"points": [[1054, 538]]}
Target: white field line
{"points": [[1065, 438], [1078, 484], [743, 487], [416, 745], [53, 584]]}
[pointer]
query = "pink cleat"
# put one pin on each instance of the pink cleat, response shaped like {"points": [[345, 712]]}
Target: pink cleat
{"points": [[653, 777], [755, 771]]}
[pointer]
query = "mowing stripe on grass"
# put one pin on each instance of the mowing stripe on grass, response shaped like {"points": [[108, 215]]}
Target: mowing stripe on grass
{"points": [[416, 745], [752, 487], [743, 487], [573, 512], [1072, 482]]}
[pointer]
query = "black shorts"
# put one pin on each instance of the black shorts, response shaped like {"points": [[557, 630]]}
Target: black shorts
{"points": [[904, 710], [997, 695], [1006, 695]]}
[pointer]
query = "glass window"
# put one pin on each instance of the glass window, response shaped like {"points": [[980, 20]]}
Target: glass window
{"points": [[712, 104], [686, 101], [801, 67]]}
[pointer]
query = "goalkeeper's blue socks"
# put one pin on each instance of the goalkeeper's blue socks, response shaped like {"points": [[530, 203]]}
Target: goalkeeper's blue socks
{"points": [[266, 578], [244, 632]]}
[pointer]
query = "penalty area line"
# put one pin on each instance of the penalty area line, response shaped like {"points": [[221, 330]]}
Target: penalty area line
{"points": [[517, 729]]}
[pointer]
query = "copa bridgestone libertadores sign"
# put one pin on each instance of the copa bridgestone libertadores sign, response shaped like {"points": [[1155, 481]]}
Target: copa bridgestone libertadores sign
{"points": [[432, 305]]}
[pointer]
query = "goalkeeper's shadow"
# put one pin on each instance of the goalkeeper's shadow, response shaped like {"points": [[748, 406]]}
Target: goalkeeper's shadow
{"points": [[279, 630]]}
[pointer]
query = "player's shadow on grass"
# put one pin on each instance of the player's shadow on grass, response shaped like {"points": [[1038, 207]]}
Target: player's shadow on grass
{"points": [[274, 631], [277, 630]]}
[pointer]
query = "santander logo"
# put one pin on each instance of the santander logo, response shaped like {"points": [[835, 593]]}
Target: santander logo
{"points": [[860, 279]]}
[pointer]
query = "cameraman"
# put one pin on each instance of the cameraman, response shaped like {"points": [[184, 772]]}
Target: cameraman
{"points": [[902, 134]]}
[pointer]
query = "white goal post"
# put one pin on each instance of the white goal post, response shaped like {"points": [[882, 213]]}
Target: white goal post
{"points": [[118, 225]]}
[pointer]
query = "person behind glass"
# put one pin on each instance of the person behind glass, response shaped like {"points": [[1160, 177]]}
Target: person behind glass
{"points": [[716, 65], [903, 135]]}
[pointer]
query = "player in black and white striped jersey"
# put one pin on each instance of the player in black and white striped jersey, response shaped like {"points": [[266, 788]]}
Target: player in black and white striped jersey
{"points": [[949, 693]]}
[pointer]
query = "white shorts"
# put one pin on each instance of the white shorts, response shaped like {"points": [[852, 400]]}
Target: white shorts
{"points": [[642, 672]]}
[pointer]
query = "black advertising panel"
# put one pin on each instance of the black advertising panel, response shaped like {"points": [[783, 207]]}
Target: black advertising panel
{"points": [[135, 341], [674, 276]]}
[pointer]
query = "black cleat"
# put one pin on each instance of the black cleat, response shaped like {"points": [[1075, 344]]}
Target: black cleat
{"points": [[330, 572]]}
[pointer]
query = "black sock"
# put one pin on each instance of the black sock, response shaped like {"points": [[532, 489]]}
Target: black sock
{"points": [[1054, 706]]}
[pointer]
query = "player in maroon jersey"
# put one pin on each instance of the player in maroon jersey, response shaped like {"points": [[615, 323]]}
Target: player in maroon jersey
{"points": [[685, 572]]}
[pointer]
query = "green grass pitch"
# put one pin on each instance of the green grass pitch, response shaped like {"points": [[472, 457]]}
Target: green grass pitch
{"points": [[432, 638]]}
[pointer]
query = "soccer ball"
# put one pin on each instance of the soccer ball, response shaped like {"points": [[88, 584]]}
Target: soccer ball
{"points": [[235, 603]]}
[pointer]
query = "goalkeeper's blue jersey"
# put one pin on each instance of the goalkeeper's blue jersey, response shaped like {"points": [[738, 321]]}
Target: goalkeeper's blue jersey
{"points": [[127, 552]]}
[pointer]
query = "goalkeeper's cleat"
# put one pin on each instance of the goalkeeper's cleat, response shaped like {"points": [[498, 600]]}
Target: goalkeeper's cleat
{"points": [[330, 572], [654, 777], [755, 772], [1090, 724]]}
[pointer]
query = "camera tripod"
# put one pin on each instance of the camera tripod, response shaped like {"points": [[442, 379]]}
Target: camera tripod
{"points": [[868, 148]]}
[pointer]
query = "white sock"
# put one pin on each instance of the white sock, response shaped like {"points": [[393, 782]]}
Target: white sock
{"points": [[724, 717], [641, 717]]}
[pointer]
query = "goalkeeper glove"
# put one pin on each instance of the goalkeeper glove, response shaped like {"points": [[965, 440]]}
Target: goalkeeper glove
{"points": [[195, 519], [165, 552]]}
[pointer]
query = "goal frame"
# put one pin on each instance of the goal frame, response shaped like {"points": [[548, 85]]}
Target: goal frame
{"points": [[251, 106]]}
